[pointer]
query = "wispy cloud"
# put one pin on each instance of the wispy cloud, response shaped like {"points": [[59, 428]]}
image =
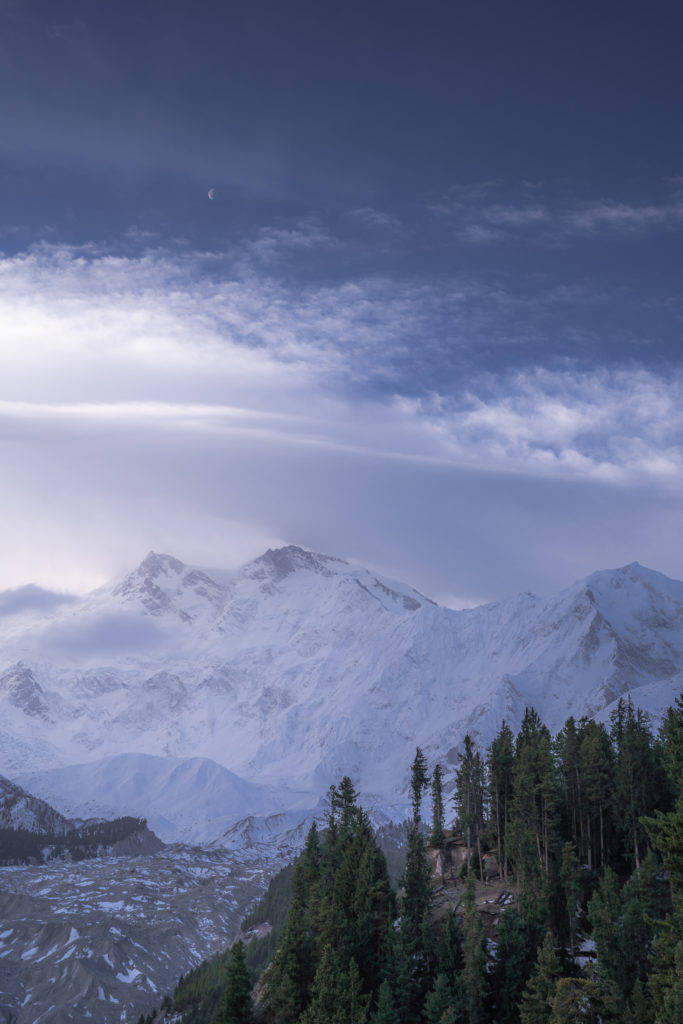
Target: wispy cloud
{"points": [[558, 218], [149, 401]]}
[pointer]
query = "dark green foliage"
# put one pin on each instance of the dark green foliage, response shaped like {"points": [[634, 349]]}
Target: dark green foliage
{"points": [[533, 832], [237, 1006], [539, 993], [473, 975], [469, 797], [578, 1001], [571, 820], [419, 780], [442, 1003], [340, 920], [500, 765], [19, 846], [636, 776], [386, 1012], [437, 835], [416, 943], [519, 934]]}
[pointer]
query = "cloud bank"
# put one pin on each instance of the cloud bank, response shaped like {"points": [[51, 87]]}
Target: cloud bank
{"points": [[205, 405]]}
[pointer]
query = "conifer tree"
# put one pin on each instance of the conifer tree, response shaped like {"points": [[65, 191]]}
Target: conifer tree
{"points": [[237, 1006], [419, 779], [437, 837], [640, 1009], [469, 798], [473, 976], [635, 776], [326, 1005], [577, 1001], [416, 942], [386, 1012], [596, 766], [500, 762], [440, 1004], [533, 831], [539, 994]]}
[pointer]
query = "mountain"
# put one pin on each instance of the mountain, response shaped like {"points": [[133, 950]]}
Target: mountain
{"points": [[20, 810], [300, 667], [183, 799]]}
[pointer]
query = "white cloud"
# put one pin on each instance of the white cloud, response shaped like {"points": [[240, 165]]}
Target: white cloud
{"points": [[166, 402]]}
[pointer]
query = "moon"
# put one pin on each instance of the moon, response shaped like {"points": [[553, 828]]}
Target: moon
{"points": [[211, 193]]}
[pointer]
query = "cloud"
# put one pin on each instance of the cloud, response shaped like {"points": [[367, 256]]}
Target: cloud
{"points": [[557, 219], [190, 403], [31, 598]]}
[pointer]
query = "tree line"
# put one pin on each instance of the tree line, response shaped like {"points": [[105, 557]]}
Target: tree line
{"points": [[586, 831]]}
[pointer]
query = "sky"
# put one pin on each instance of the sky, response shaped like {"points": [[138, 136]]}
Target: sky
{"points": [[430, 320]]}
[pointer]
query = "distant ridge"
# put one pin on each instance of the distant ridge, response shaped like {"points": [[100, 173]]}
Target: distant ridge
{"points": [[301, 667]]}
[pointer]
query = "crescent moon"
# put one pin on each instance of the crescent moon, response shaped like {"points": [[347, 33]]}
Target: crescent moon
{"points": [[211, 193]]}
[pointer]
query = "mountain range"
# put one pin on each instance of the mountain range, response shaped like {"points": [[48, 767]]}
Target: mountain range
{"points": [[197, 697]]}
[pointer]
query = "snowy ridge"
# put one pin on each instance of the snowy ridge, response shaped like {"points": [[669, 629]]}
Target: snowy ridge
{"points": [[299, 668]]}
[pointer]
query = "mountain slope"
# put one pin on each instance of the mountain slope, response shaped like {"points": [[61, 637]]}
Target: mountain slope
{"points": [[301, 667]]}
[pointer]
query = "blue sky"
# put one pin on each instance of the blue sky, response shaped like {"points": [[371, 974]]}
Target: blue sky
{"points": [[430, 320]]}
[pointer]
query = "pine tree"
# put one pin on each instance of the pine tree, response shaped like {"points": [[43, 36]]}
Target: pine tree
{"points": [[596, 765], [539, 994], [500, 762], [640, 1009], [605, 917], [437, 836], [237, 1006], [416, 942], [533, 831], [327, 994], [569, 880], [440, 1004], [519, 933], [635, 775], [419, 779], [469, 798], [577, 1001], [386, 1012], [473, 976]]}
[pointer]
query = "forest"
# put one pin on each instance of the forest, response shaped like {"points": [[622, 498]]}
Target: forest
{"points": [[556, 896]]}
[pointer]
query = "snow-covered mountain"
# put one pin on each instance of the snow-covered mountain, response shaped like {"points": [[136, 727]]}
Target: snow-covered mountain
{"points": [[300, 668]]}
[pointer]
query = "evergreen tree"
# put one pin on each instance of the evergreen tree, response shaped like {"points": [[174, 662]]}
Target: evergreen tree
{"points": [[539, 994], [534, 829], [519, 933], [237, 1006], [605, 917], [437, 836], [419, 780], [640, 1009], [469, 798], [577, 1001], [449, 955], [292, 969], [327, 1003], [567, 744], [596, 764], [386, 1012], [569, 880], [635, 775], [440, 1004], [500, 762], [473, 976], [416, 941]]}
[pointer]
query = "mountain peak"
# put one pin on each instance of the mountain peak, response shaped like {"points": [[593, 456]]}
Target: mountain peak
{"points": [[278, 563], [154, 565]]}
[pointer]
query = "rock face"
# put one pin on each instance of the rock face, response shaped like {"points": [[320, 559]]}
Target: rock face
{"points": [[20, 810], [105, 940], [300, 668]]}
